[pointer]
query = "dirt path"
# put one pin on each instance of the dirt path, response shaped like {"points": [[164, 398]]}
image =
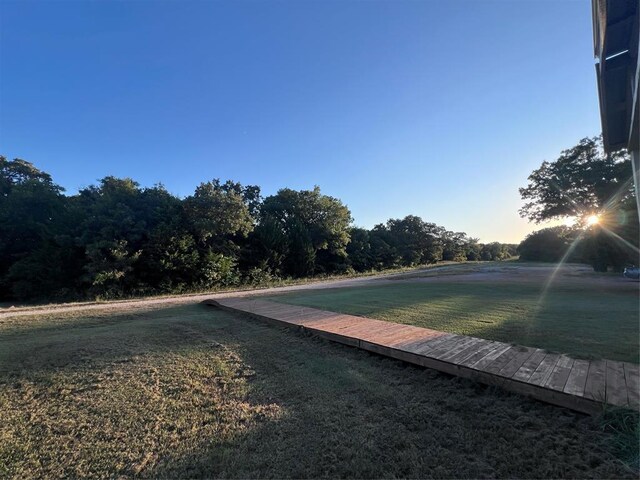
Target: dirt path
{"points": [[469, 272], [119, 305]]}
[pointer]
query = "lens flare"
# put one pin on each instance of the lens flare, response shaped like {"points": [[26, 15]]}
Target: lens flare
{"points": [[593, 220]]}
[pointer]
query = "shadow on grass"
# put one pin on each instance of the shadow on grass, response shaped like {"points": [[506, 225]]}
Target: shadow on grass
{"points": [[195, 392]]}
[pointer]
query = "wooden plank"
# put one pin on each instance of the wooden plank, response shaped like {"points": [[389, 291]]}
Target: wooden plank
{"points": [[270, 309], [426, 335], [410, 336], [378, 332], [306, 316], [449, 350], [426, 347], [324, 323], [308, 320], [356, 326], [284, 315], [396, 330], [550, 377], [470, 350], [349, 327], [595, 386], [616, 386], [338, 321], [469, 360], [467, 350], [558, 378], [632, 376], [289, 315], [525, 371], [309, 313], [577, 378], [421, 346], [366, 331], [334, 337], [440, 345], [544, 370], [516, 362], [490, 357], [501, 360], [471, 357], [285, 312], [390, 338]]}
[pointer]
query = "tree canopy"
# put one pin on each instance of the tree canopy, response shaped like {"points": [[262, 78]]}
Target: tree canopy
{"points": [[117, 238], [583, 181], [586, 184]]}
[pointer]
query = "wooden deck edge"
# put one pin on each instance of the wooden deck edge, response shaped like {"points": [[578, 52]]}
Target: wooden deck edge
{"points": [[580, 404], [554, 397]]}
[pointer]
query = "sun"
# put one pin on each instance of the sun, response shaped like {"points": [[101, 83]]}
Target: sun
{"points": [[593, 220]]}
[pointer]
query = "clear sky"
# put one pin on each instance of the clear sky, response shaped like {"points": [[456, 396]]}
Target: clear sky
{"points": [[435, 108]]}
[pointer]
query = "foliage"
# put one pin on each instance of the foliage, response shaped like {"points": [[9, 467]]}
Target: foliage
{"points": [[548, 244], [31, 211], [116, 238], [314, 227], [216, 212], [359, 249], [583, 182], [624, 426]]}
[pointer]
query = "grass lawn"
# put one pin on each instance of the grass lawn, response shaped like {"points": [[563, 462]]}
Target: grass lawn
{"points": [[582, 318], [189, 391]]}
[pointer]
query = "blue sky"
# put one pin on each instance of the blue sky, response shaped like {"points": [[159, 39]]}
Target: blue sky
{"points": [[435, 108]]}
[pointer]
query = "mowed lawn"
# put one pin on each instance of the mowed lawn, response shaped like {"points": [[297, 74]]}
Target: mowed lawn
{"points": [[575, 316], [190, 391]]}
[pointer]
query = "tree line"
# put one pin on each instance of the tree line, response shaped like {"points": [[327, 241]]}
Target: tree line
{"points": [[116, 238]]}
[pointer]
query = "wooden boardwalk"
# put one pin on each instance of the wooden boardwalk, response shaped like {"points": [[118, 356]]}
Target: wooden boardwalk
{"points": [[583, 385]]}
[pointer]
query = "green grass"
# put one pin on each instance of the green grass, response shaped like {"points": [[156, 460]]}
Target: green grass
{"points": [[624, 425], [189, 391], [582, 319]]}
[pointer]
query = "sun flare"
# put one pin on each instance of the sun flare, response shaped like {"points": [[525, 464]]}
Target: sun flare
{"points": [[593, 220]]}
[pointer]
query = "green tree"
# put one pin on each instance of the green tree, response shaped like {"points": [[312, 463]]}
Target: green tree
{"points": [[384, 254], [170, 259], [415, 241], [32, 211], [454, 246], [359, 250], [216, 213], [548, 244], [316, 227], [267, 247], [496, 251], [112, 232], [473, 250], [583, 182]]}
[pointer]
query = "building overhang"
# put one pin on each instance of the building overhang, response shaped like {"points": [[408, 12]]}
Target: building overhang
{"points": [[616, 40]]}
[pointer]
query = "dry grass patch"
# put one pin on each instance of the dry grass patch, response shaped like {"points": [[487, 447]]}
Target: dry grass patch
{"points": [[193, 392]]}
